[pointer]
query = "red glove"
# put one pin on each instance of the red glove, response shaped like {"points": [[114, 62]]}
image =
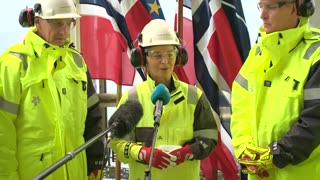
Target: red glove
{"points": [[161, 160], [95, 175], [184, 153], [253, 169]]}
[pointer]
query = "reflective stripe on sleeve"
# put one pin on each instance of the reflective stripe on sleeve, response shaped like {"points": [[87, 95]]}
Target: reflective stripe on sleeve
{"points": [[312, 94], [192, 95], [258, 50], [77, 59], [9, 106], [133, 94], [206, 133], [242, 81], [92, 100], [311, 50], [22, 57]]}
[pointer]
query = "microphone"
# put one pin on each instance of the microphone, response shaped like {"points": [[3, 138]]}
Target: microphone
{"points": [[125, 118], [160, 96]]}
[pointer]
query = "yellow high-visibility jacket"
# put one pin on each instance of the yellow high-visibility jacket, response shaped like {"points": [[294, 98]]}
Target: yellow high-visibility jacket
{"points": [[45, 94], [276, 98], [186, 119]]}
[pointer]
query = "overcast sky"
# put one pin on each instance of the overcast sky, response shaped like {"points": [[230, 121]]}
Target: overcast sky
{"points": [[11, 31]]}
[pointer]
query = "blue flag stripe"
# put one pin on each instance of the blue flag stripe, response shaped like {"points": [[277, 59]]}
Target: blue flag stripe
{"points": [[209, 86], [234, 12], [200, 21]]}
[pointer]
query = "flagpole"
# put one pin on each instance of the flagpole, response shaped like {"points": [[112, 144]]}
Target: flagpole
{"points": [[180, 19], [75, 32], [180, 33]]}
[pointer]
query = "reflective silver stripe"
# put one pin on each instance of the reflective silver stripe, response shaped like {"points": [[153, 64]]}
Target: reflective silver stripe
{"points": [[77, 59], [312, 94], [133, 94], [242, 81], [9, 106], [192, 95], [92, 100], [257, 50], [22, 57], [311, 50], [206, 133], [315, 33]]}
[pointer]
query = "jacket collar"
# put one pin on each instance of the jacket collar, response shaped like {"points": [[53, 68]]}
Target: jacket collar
{"points": [[39, 44], [281, 43], [175, 84]]}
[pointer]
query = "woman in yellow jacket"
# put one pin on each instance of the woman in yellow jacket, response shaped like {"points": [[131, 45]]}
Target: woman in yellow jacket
{"points": [[45, 94], [187, 122], [275, 98]]}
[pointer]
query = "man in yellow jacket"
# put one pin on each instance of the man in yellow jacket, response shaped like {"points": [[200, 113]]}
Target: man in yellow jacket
{"points": [[275, 119], [48, 105], [188, 129]]}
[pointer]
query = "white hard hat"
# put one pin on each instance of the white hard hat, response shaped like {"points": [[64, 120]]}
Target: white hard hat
{"points": [[56, 9], [158, 32]]}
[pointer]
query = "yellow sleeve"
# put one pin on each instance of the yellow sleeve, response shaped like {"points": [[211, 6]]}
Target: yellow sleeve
{"points": [[240, 120], [10, 67], [119, 146]]}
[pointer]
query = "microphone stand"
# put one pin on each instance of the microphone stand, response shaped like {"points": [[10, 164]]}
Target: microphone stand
{"points": [[156, 124], [72, 154]]}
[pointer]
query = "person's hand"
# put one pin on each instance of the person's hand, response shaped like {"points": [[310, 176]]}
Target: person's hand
{"points": [[257, 160], [161, 160], [184, 153], [253, 169], [95, 175]]}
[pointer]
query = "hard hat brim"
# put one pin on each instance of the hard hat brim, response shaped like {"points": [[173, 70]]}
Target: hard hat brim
{"points": [[159, 43], [62, 16]]}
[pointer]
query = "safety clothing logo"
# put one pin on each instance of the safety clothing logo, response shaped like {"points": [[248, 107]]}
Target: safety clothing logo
{"points": [[35, 100]]}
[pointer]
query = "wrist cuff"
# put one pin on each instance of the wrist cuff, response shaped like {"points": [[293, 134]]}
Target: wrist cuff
{"points": [[133, 151], [280, 157], [126, 149]]}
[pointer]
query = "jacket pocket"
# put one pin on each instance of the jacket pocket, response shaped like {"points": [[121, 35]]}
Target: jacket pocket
{"points": [[33, 165]]}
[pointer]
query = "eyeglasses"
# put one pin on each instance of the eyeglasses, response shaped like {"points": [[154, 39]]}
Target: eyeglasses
{"points": [[160, 56], [273, 6], [58, 23]]}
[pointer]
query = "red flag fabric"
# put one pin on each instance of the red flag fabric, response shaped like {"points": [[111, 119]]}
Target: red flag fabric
{"points": [[131, 10], [221, 159], [103, 45]]}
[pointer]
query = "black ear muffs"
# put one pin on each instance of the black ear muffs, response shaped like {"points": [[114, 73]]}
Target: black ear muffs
{"points": [[137, 57], [305, 8], [182, 56], [26, 17]]}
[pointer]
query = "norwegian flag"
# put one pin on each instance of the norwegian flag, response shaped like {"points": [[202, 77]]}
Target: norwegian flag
{"points": [[217, 61], [146, 10], [234, 12], [105, 41]]}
